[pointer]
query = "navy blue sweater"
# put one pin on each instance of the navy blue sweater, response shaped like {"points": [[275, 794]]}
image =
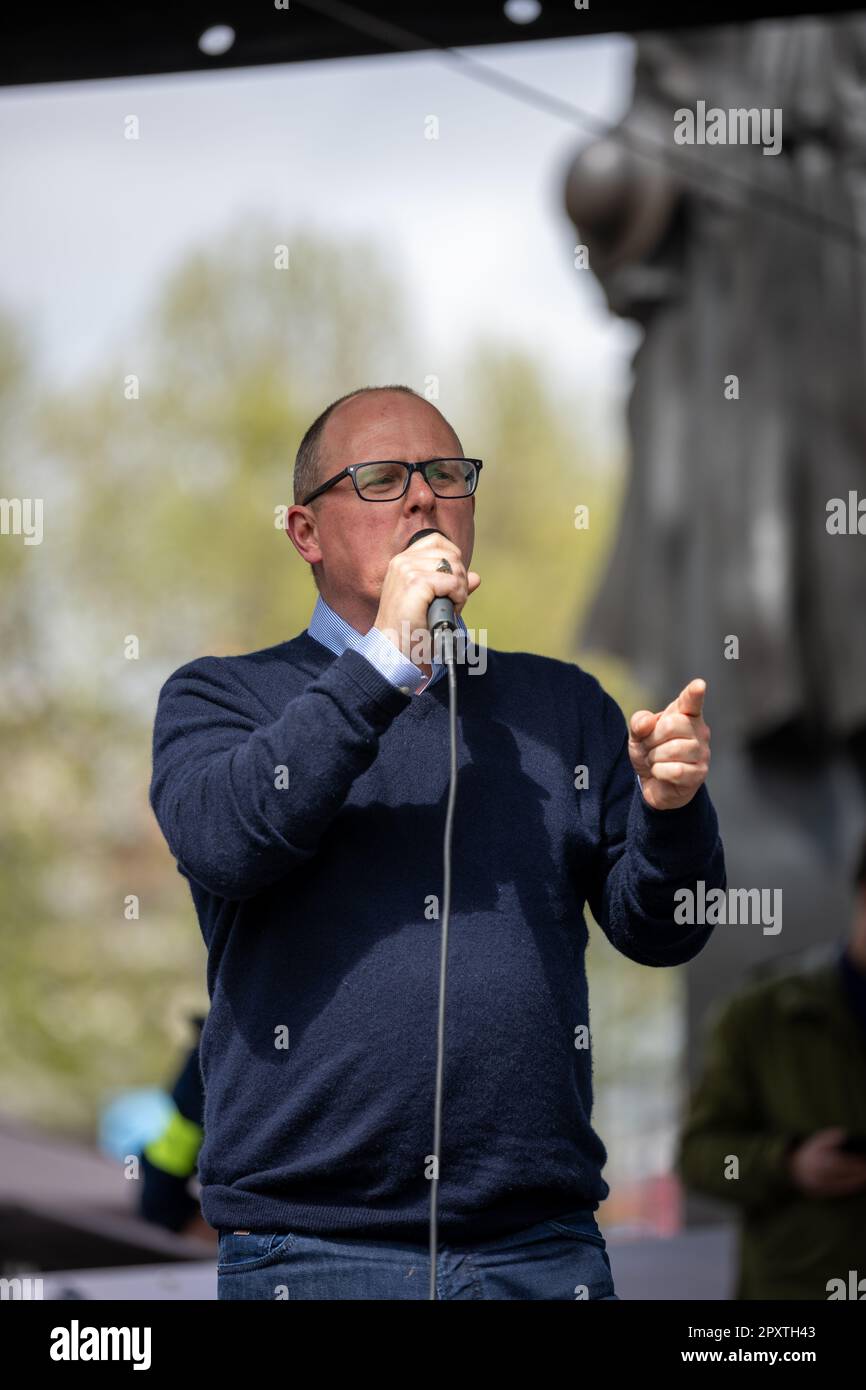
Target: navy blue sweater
{"points": [[303, 796]]}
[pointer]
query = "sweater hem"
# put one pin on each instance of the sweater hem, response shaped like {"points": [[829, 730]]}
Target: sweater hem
{"points": [[232, 1208]]}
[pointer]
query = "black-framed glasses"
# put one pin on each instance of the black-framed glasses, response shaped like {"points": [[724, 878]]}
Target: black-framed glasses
{"points": [[388, 479]]}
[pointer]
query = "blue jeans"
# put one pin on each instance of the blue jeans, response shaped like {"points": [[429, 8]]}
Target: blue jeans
{"points": [[563, 1259]]}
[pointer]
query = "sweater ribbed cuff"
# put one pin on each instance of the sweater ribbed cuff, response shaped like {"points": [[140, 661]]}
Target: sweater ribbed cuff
{"points": [[668, 835], [389, 696]]}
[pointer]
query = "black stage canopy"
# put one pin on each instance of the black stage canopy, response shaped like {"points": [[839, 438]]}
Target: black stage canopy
{"points": [[56, 42]]}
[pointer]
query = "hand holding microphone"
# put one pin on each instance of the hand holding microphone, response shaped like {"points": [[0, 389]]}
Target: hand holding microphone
{"points": [[413, 583]]}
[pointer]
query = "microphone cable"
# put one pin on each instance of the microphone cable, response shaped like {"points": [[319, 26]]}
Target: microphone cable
{"points": [[442, 625], [447, 655]]}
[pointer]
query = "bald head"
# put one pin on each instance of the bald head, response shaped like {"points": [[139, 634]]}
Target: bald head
{"points": [[383, 424], [325, 440]]}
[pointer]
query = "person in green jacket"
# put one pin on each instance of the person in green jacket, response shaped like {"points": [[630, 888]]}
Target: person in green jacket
{"points": [[777, 1121]]}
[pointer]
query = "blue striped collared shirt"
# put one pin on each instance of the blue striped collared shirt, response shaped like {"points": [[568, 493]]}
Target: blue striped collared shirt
{"points": [[336, 634]]}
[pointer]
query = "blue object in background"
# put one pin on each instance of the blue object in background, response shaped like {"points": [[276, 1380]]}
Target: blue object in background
{"points": [[132, 1119]]}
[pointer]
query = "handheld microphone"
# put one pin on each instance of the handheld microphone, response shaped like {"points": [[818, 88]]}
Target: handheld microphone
{"points": [[441, 610]]}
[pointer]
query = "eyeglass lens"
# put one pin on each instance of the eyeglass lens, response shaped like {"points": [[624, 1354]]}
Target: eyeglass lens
{"points": [[446, 477]]}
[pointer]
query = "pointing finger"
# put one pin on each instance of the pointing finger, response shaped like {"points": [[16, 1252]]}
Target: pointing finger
{"points": [[691, 699]]}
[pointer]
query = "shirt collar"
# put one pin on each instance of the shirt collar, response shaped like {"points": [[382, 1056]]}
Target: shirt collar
{"points": [[336, 634]]}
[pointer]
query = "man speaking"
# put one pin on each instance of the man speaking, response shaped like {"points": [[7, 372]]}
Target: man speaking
{"points": [[302, 791]]}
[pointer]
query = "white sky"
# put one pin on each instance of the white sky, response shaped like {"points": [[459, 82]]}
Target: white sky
{"points": [[473, 221]]}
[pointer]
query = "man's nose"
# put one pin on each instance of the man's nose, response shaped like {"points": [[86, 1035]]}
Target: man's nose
{"points": [[419, 493]]}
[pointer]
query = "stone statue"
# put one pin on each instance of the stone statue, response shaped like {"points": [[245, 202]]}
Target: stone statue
{"points": [[726, 512], [747, 418]]}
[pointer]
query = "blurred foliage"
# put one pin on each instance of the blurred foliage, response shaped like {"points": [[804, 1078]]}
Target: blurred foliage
{"points": [[159, 523]]}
